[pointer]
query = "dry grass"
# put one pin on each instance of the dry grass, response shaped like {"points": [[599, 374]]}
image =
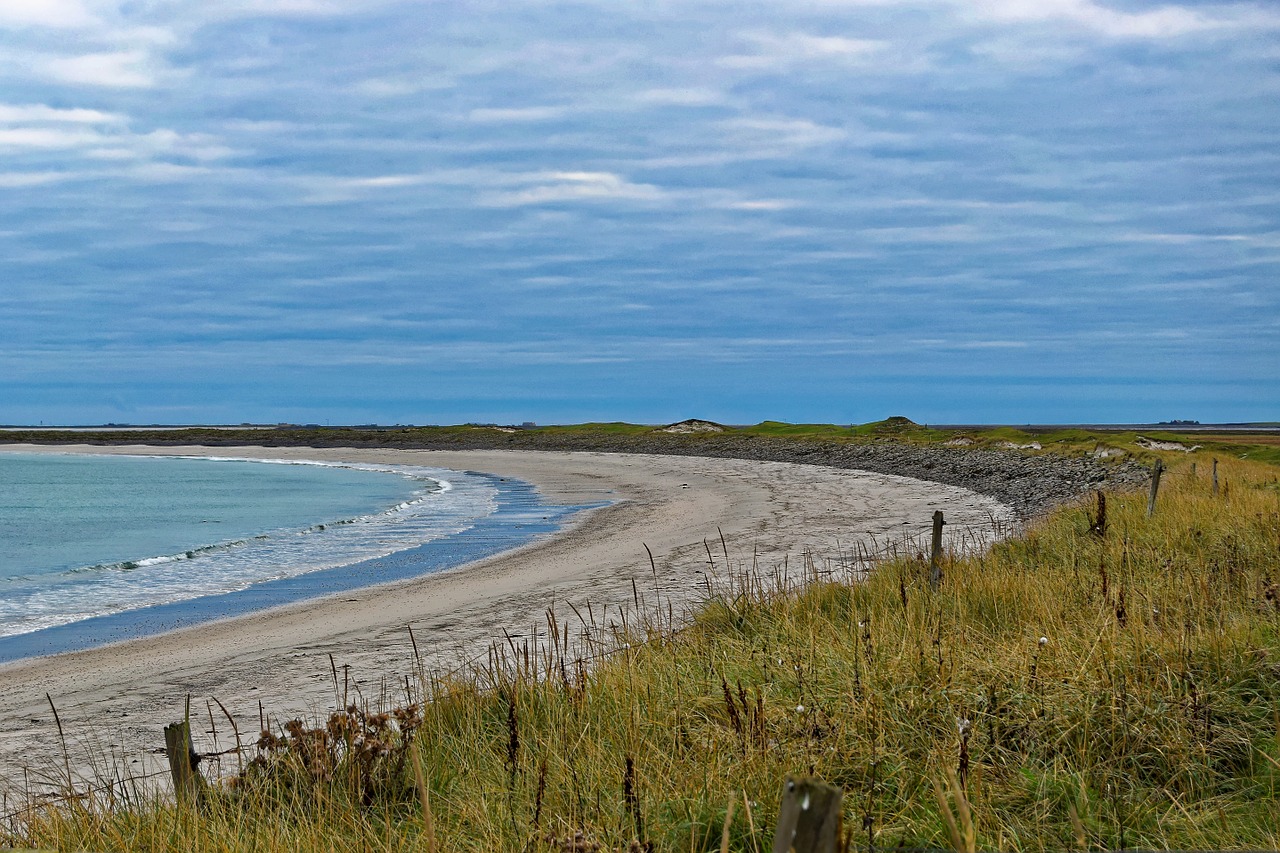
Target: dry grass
{"points": [[1080, 691]]}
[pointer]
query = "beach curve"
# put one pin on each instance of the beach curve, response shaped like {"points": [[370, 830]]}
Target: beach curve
{"points": [[772, 513]]}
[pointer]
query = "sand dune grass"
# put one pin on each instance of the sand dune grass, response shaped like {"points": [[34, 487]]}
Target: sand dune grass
{"points": [[1085, 691]]}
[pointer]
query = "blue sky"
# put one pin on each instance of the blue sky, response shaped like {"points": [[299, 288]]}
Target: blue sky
{"points": [[1007, 211]]}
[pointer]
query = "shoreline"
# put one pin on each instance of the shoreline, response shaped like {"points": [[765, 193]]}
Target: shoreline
{"points": [[768, 512], [520, 517]]}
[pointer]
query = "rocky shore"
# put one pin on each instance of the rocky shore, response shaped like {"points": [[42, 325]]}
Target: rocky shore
{"points": [[1030, 483]]}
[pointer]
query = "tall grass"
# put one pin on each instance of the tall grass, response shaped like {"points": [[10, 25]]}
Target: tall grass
{"points": [[1083, 691]]}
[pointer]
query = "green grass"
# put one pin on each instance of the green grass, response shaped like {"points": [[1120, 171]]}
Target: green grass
{"points": [[1148, 716], [778, 429]]}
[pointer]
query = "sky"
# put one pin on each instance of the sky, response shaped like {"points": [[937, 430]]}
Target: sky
{"points": [[330, 211]]}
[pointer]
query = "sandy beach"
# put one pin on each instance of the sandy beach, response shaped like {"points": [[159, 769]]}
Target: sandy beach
{"points": [[114, 701]]}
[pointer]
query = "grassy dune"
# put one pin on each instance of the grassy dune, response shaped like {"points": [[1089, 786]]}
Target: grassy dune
{"points": [[1077, 690]]}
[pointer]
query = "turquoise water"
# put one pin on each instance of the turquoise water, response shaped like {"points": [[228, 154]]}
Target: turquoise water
{"points": [[84, 537], [69, 512]]}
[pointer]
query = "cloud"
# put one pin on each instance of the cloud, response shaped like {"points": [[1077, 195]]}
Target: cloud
{"points": [[507, 115], [170, 143], [1158, 23], [1181, 239], [691, 96], [45, 138], [1147, 21], [231, 9], [96, 137], [55, 14], [328, 189], [39, 127], [752, 137], [552, 187], [14, 180], [778, 50], [159, 172], [400, 87], [30, 113], [491, 186], [758, 204], [128, 69], [380, 181], [771, 136], [925, 234]]}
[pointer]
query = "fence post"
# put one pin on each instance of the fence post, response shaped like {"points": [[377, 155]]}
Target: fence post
{"points": [[183, 759], [935, 551], [809, 817], [1155, 487], [1215, 478], [1099, 528]]}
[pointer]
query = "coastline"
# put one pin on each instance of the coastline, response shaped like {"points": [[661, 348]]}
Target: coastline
{"points": [[518, 515], [768, 512], [1032, 483]]}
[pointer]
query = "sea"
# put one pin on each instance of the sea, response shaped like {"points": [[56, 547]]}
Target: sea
{"points": [[100, 548]]}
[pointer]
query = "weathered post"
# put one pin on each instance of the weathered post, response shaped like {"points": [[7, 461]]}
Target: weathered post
{"points": [[809, 817], [1215, 478], [935, 551], [1099, 528], [1193, 470], [183, 759], [1155, 487]]}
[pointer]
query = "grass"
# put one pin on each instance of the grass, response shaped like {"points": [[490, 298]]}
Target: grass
{"points": [[1084, 691]]}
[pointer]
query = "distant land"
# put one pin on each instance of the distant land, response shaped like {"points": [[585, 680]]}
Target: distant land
{"points": [[1167, 426]]}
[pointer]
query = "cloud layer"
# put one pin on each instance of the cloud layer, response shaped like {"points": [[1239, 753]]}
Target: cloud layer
{"points": [[1014, 210]]}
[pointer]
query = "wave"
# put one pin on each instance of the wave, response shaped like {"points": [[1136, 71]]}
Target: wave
{"points": [[203, 550], [446, 503]]}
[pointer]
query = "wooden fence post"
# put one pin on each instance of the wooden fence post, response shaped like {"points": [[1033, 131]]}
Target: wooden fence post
{"points": [[183, 759], [1099, 528], [809, 817], [1155, 487], [935, 551], [1215, 478]]}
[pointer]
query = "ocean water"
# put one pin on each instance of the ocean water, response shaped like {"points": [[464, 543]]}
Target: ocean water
{"points": [[99, 548]]}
